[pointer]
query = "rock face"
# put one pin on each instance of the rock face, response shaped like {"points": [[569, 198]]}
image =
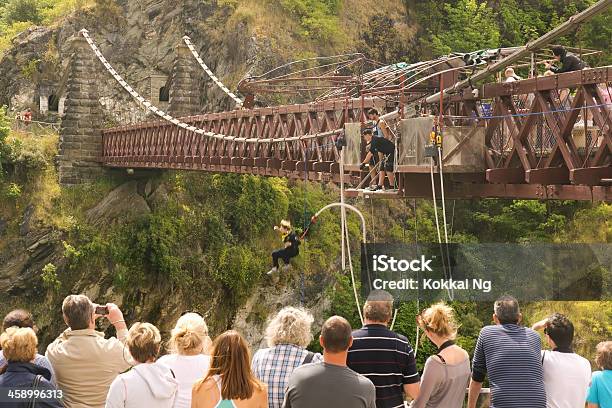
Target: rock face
{"points": [[121, 203], [139, 38]]}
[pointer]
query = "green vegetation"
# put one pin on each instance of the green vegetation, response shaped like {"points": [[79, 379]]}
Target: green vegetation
{"points": [[468, 25], [318, 18]]}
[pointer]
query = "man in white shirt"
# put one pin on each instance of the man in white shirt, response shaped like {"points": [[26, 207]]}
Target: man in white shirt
{"points": [[566, 374]]}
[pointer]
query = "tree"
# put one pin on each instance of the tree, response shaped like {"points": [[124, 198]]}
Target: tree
{"points": [[22, 10], [470, 26], [382, 41]]}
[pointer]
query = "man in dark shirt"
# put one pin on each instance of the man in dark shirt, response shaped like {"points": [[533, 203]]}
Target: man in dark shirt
{"points": [[569, 62], [384, 149], [385, 357], [290, 248], [510, 355]]}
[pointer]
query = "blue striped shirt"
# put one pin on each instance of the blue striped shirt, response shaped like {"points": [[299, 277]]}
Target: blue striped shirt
{"points": [[385, 358], [511, 356]]}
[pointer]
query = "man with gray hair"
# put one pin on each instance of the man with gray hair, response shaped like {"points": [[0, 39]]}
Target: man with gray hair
{"points": [[85, 362], [288, 334], [510, 355], [383, 356]]}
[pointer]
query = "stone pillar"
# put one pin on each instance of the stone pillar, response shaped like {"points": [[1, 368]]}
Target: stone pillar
{"points": [[81, 128], [184, 96]]}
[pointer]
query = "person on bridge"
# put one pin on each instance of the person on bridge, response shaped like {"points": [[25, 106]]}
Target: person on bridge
{"points": [[385, 150], [510, 75], [569, 62], [379, 126], [290, 248]]}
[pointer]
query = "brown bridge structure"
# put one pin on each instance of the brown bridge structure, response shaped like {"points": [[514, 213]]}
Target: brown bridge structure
{"points": [[547, 137]]}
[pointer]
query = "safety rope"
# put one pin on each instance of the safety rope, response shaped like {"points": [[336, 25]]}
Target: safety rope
{"points": [[212, 76], [147, 104]]}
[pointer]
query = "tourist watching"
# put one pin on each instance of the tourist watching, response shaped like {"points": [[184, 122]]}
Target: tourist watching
{"points": [[383, 356], [600, 391], [229, 381], [287, 334], [379, 126], [446, 374], [23, 318], [330, 383], [384, 149], [188, 359], [569, 62], [566, 374], [147, 384], [510, 75], [511, 356], [19, 346], [86, 363]]}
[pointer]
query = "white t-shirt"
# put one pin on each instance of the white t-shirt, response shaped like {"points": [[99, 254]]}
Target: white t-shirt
{"points": [[566, 379], [187, 369]]}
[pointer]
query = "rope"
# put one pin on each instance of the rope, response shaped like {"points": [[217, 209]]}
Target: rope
{"points": [[450, 276], [147, 104], [212, 76]]}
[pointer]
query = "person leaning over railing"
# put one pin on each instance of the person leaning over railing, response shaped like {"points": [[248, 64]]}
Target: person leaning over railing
{"points": [[288, 334], [23, 318], [19, 346], [566, 374], [600, 391], [86, 363], [511, 356], [189, 359], [147, 384], [447, 373]]}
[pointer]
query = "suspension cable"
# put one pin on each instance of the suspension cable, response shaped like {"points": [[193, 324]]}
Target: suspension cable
{"points": [[212, 76], [147, 104]]}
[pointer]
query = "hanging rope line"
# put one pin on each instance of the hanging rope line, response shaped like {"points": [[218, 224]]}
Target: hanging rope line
{"points": [[160, 113], [212, 76]]}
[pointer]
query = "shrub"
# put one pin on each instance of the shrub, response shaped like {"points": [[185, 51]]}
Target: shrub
{"points": [[50, 278]]}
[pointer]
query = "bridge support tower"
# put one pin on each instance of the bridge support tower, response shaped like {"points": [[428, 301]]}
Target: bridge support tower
{"points": [[80, 147], [184, 96]]}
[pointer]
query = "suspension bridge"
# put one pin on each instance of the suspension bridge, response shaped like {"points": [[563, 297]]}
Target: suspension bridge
{"points": [[547, 137]]}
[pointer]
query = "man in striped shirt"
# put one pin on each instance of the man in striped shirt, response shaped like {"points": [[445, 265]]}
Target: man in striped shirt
{"points": [[385, 357], [511, 356]]}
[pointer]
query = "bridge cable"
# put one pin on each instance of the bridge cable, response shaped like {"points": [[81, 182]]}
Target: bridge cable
{"points": [[147, 104], [212, 76]]}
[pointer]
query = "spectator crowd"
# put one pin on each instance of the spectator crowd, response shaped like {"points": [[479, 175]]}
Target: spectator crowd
{"points": [[369, 367]]}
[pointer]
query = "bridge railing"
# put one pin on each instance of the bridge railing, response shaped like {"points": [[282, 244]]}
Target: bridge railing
{"points": [[287, 140]]}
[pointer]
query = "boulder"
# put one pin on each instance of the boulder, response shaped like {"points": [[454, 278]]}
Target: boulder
{"points": [[123, 203]]}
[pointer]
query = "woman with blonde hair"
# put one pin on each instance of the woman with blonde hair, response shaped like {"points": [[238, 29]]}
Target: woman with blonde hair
{"points": [[19, 347], [446, 374], [230, 383], [188, 359], [288, 334], [147, 384]]}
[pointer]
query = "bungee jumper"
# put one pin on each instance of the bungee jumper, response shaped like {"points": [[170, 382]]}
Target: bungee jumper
{"points": [[290, 249]]}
